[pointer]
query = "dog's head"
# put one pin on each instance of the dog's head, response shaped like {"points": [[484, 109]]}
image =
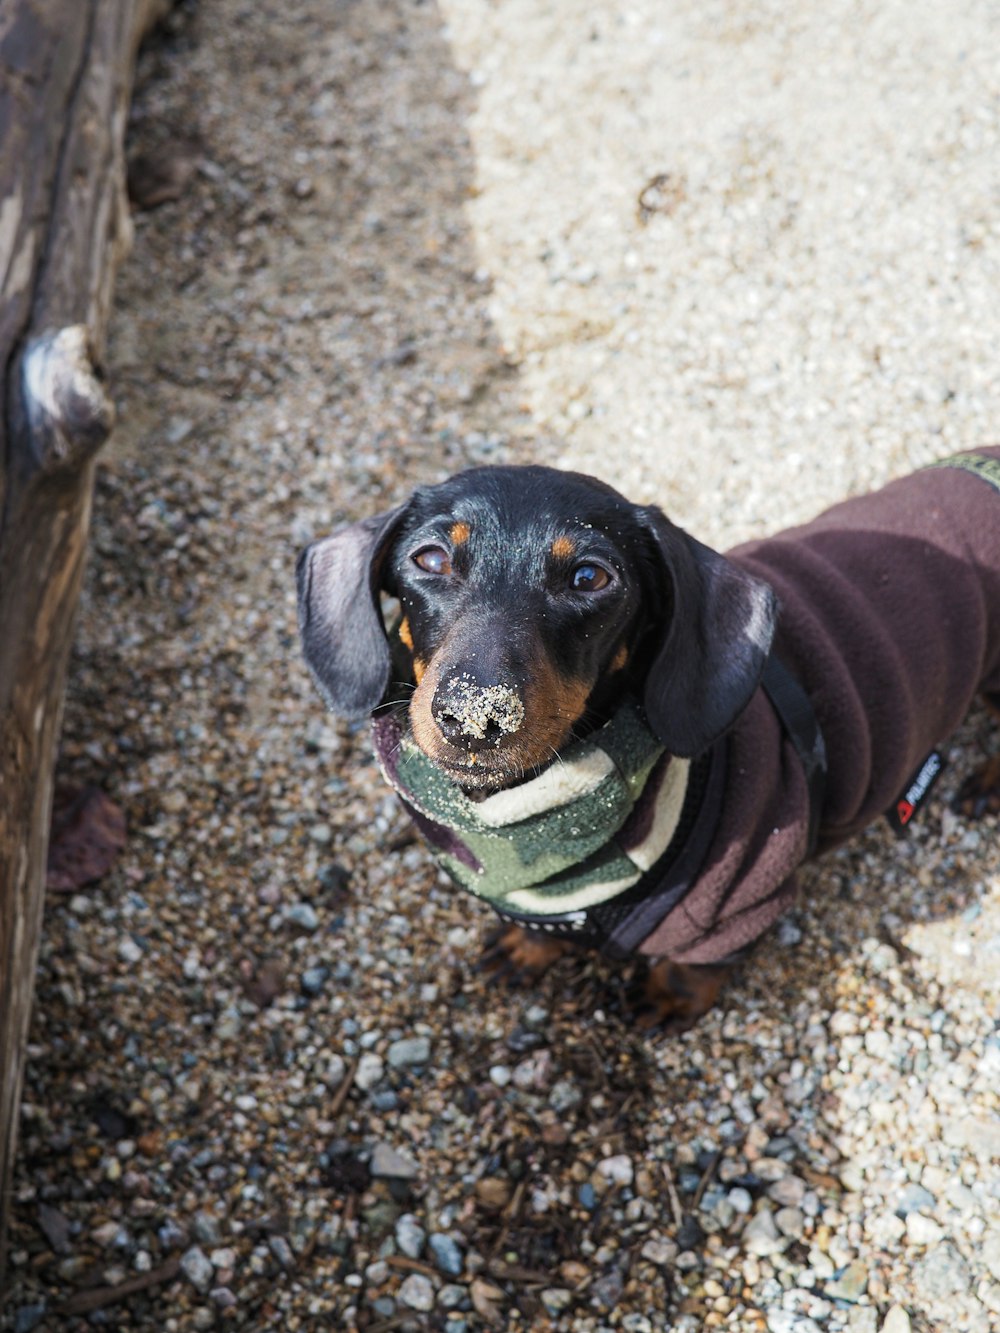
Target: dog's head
{"points": [[532, 600]]}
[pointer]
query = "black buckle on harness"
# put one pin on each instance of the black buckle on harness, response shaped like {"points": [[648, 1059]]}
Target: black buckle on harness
{"points": [[790, 701], [618, 925]]}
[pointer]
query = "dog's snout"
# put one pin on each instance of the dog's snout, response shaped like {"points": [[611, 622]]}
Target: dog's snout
{"points": [[475, 715]]}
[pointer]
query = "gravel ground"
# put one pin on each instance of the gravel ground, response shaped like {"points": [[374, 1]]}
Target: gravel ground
{"points": [[739, 260]]}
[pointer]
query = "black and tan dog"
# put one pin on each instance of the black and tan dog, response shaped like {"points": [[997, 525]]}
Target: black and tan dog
{"points": [[622, 739]]}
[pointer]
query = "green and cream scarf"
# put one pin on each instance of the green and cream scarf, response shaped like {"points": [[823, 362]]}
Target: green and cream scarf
{"points": [[580, 833]]}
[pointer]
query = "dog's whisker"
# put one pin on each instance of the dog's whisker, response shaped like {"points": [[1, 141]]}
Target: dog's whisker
{"points": [[557, 757], [388, 704]]}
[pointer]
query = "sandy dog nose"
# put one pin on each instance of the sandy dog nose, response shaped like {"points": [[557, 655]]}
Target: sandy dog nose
{"points": [[474, 715]]}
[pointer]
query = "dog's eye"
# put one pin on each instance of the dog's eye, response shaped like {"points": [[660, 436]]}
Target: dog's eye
{"points": [[433, 560], [589, 578]]}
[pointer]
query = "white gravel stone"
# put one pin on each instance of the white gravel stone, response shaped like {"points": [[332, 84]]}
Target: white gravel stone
{"points": [[410, 1235], [790, 1222], [862, 1319], [389, 1162], [921, 1230], [990, 1251], [788, 1191], [761, 1235], [616, 1170], [896, 1321], [417, 1292], [197, 1268], [409, 1051], [128, 951], [659, 1251], [371, 1068]]}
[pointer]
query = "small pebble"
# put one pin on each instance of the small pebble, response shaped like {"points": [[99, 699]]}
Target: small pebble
{"points": [[384, 1099], [333, 1073], [788, 932], [408, 1052], [690, 1234], [302, 915], [371, 1068], [564, 1097], [282, 1251], [941, 1274], [197, 1268], [896, 1321], [862, 1319], [229, 1024], [417, 1292], [921, 1230], [790, 1222], [913, 1198], [616, 1170], [390, 1162], [789, 1191], [171, 1236], [410, 1235], [312, 981], [109, 1233], [205, 1227], [761, 1236], [850, 1285], [784, 1321], [447, 1255], [452, 1296], [128, 951], [660, 1251], [990, 1252], [556, 1299]]}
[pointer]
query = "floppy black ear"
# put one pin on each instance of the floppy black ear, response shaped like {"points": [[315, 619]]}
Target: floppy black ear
{"points": [[340, 622], [716, 641]]}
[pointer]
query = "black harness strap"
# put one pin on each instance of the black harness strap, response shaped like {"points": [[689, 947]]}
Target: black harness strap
{"points": [[790, 701], [619, 925], [678, 868]]}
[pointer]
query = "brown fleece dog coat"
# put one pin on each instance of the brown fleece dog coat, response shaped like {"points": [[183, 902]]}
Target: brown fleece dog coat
{"points": [[890, 619]]}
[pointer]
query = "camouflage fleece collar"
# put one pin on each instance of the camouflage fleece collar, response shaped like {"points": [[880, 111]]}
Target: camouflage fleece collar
{"points": [[581, 832]]}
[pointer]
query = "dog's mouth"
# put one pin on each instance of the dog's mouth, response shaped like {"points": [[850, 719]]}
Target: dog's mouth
{"points": [[483, 770]]}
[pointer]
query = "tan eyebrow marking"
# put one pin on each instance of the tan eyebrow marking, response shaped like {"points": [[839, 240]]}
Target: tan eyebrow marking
{"points": [[563, 547], [405, 636], [620, 658], [459, 533]]}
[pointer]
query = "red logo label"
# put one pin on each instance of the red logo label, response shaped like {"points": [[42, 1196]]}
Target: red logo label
{"points": [[905, 811]]}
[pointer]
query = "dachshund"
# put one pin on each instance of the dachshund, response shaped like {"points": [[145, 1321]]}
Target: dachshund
{"points": [[624, 740]]}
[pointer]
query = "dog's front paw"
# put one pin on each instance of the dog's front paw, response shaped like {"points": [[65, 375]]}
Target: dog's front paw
{"points": [[673, 996], [519, 957], [979, 794]]}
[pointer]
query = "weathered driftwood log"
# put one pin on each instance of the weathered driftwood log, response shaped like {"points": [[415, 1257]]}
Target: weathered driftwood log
{"points": [[66, 69]]}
